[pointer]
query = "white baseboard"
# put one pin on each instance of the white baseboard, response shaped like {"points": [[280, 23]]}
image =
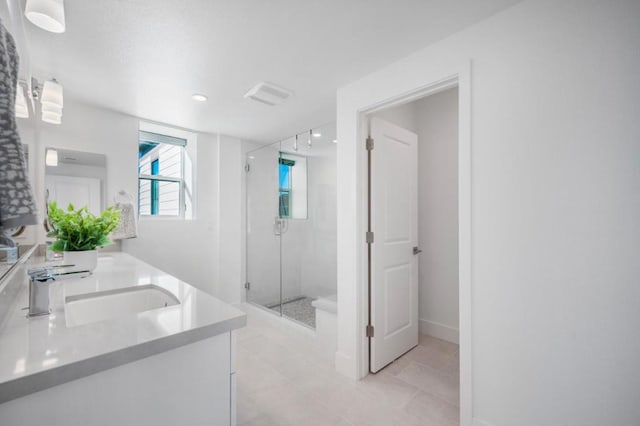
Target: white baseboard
{"points": [[440, 331], [478, 422], [345, 365]]}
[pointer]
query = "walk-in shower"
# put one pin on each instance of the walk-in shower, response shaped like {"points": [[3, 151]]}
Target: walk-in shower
{"points": [[291, 224]]}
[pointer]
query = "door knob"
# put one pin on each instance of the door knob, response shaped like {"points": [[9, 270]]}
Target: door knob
{"points": [[416, 250]]}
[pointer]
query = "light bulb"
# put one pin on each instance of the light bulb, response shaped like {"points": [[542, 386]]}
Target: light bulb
{"points": [[52, 93], [54, 109], [51, 118], [51, 158], [199, 97]]}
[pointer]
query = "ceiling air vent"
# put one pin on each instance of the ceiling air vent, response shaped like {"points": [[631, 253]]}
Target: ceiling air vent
{"points": [[268, 93]]}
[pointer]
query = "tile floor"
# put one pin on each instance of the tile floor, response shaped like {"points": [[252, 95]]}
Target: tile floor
{"points": [[282, 379]]}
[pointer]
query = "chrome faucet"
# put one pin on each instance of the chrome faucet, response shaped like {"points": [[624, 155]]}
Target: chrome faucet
{"points": [[39, 280]]}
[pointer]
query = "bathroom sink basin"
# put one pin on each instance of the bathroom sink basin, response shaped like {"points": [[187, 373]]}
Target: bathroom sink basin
{"points": [[104, 305]]}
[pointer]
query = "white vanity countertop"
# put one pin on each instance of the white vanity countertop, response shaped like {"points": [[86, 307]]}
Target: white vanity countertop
{"points": [[37, 353]]}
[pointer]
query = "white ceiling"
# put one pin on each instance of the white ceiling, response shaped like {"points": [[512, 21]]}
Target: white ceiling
{"points": [[146, 57]]}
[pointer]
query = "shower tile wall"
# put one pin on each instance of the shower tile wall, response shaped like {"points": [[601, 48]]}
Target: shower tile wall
{"points": [[319, 272], [309, 264]]}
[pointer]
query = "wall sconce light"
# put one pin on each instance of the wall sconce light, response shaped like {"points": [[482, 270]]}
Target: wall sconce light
{"points": [[52, 93], [51, 158], [22, 110], [52, 101]]}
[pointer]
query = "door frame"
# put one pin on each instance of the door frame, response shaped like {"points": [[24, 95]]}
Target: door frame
{"points": [[459, 76]]}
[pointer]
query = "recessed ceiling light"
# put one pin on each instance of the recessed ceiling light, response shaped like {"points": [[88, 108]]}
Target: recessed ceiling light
{"points": [[199, 97], [317, 134], [335, 141]]}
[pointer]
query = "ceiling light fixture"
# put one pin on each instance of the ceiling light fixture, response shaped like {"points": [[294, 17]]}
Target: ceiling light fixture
{"points": [[46, 14], [51, 158], [199, 97], [335, 141], [317, 135]]}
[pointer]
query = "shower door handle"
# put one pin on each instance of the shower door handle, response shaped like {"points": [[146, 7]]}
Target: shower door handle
{"points": [[277, 226], [280, 226]]}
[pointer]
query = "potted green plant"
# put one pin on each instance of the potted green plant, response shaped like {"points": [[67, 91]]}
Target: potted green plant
{"points": [[79, 233]]}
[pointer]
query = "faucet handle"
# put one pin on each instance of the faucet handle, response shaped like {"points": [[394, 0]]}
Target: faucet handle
{"points": [[47, 272], [40, 274], [37, 270]]}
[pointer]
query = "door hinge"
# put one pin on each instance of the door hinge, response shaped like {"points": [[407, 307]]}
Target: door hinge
{"points": [[247, 285], [369, 237], [369, 143], [369, 330], [247, 167]]}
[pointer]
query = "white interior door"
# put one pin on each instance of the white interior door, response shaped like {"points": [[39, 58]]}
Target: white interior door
{"points": [[79, 191], [394, 222]]}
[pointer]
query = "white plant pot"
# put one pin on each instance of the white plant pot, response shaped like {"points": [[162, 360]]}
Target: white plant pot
{"points": [[82, 260]]}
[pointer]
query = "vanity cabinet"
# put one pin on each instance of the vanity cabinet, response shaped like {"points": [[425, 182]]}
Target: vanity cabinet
{"points": [[193, 384]]}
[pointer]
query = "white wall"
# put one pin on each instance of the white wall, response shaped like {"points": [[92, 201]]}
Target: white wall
{"points": [[435, 120], [555, 201], [187, 249], [404, 115], [229, 222]]}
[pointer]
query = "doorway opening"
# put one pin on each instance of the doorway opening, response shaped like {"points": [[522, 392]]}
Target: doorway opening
{"points": [[413, 242]]}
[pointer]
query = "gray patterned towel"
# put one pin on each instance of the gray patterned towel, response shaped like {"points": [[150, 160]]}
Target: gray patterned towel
{"points": [[17, 204], [128, 227]]}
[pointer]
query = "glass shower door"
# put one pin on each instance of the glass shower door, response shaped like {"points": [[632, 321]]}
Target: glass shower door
{"points": [[308, 245], [291, 224], [263, 228], [294, 238]]}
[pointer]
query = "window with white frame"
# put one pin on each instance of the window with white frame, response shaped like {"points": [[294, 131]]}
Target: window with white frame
{"points": [[161, 175]]}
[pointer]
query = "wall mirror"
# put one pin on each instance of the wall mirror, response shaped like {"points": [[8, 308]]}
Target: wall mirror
{"points": [[75, 177]]}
